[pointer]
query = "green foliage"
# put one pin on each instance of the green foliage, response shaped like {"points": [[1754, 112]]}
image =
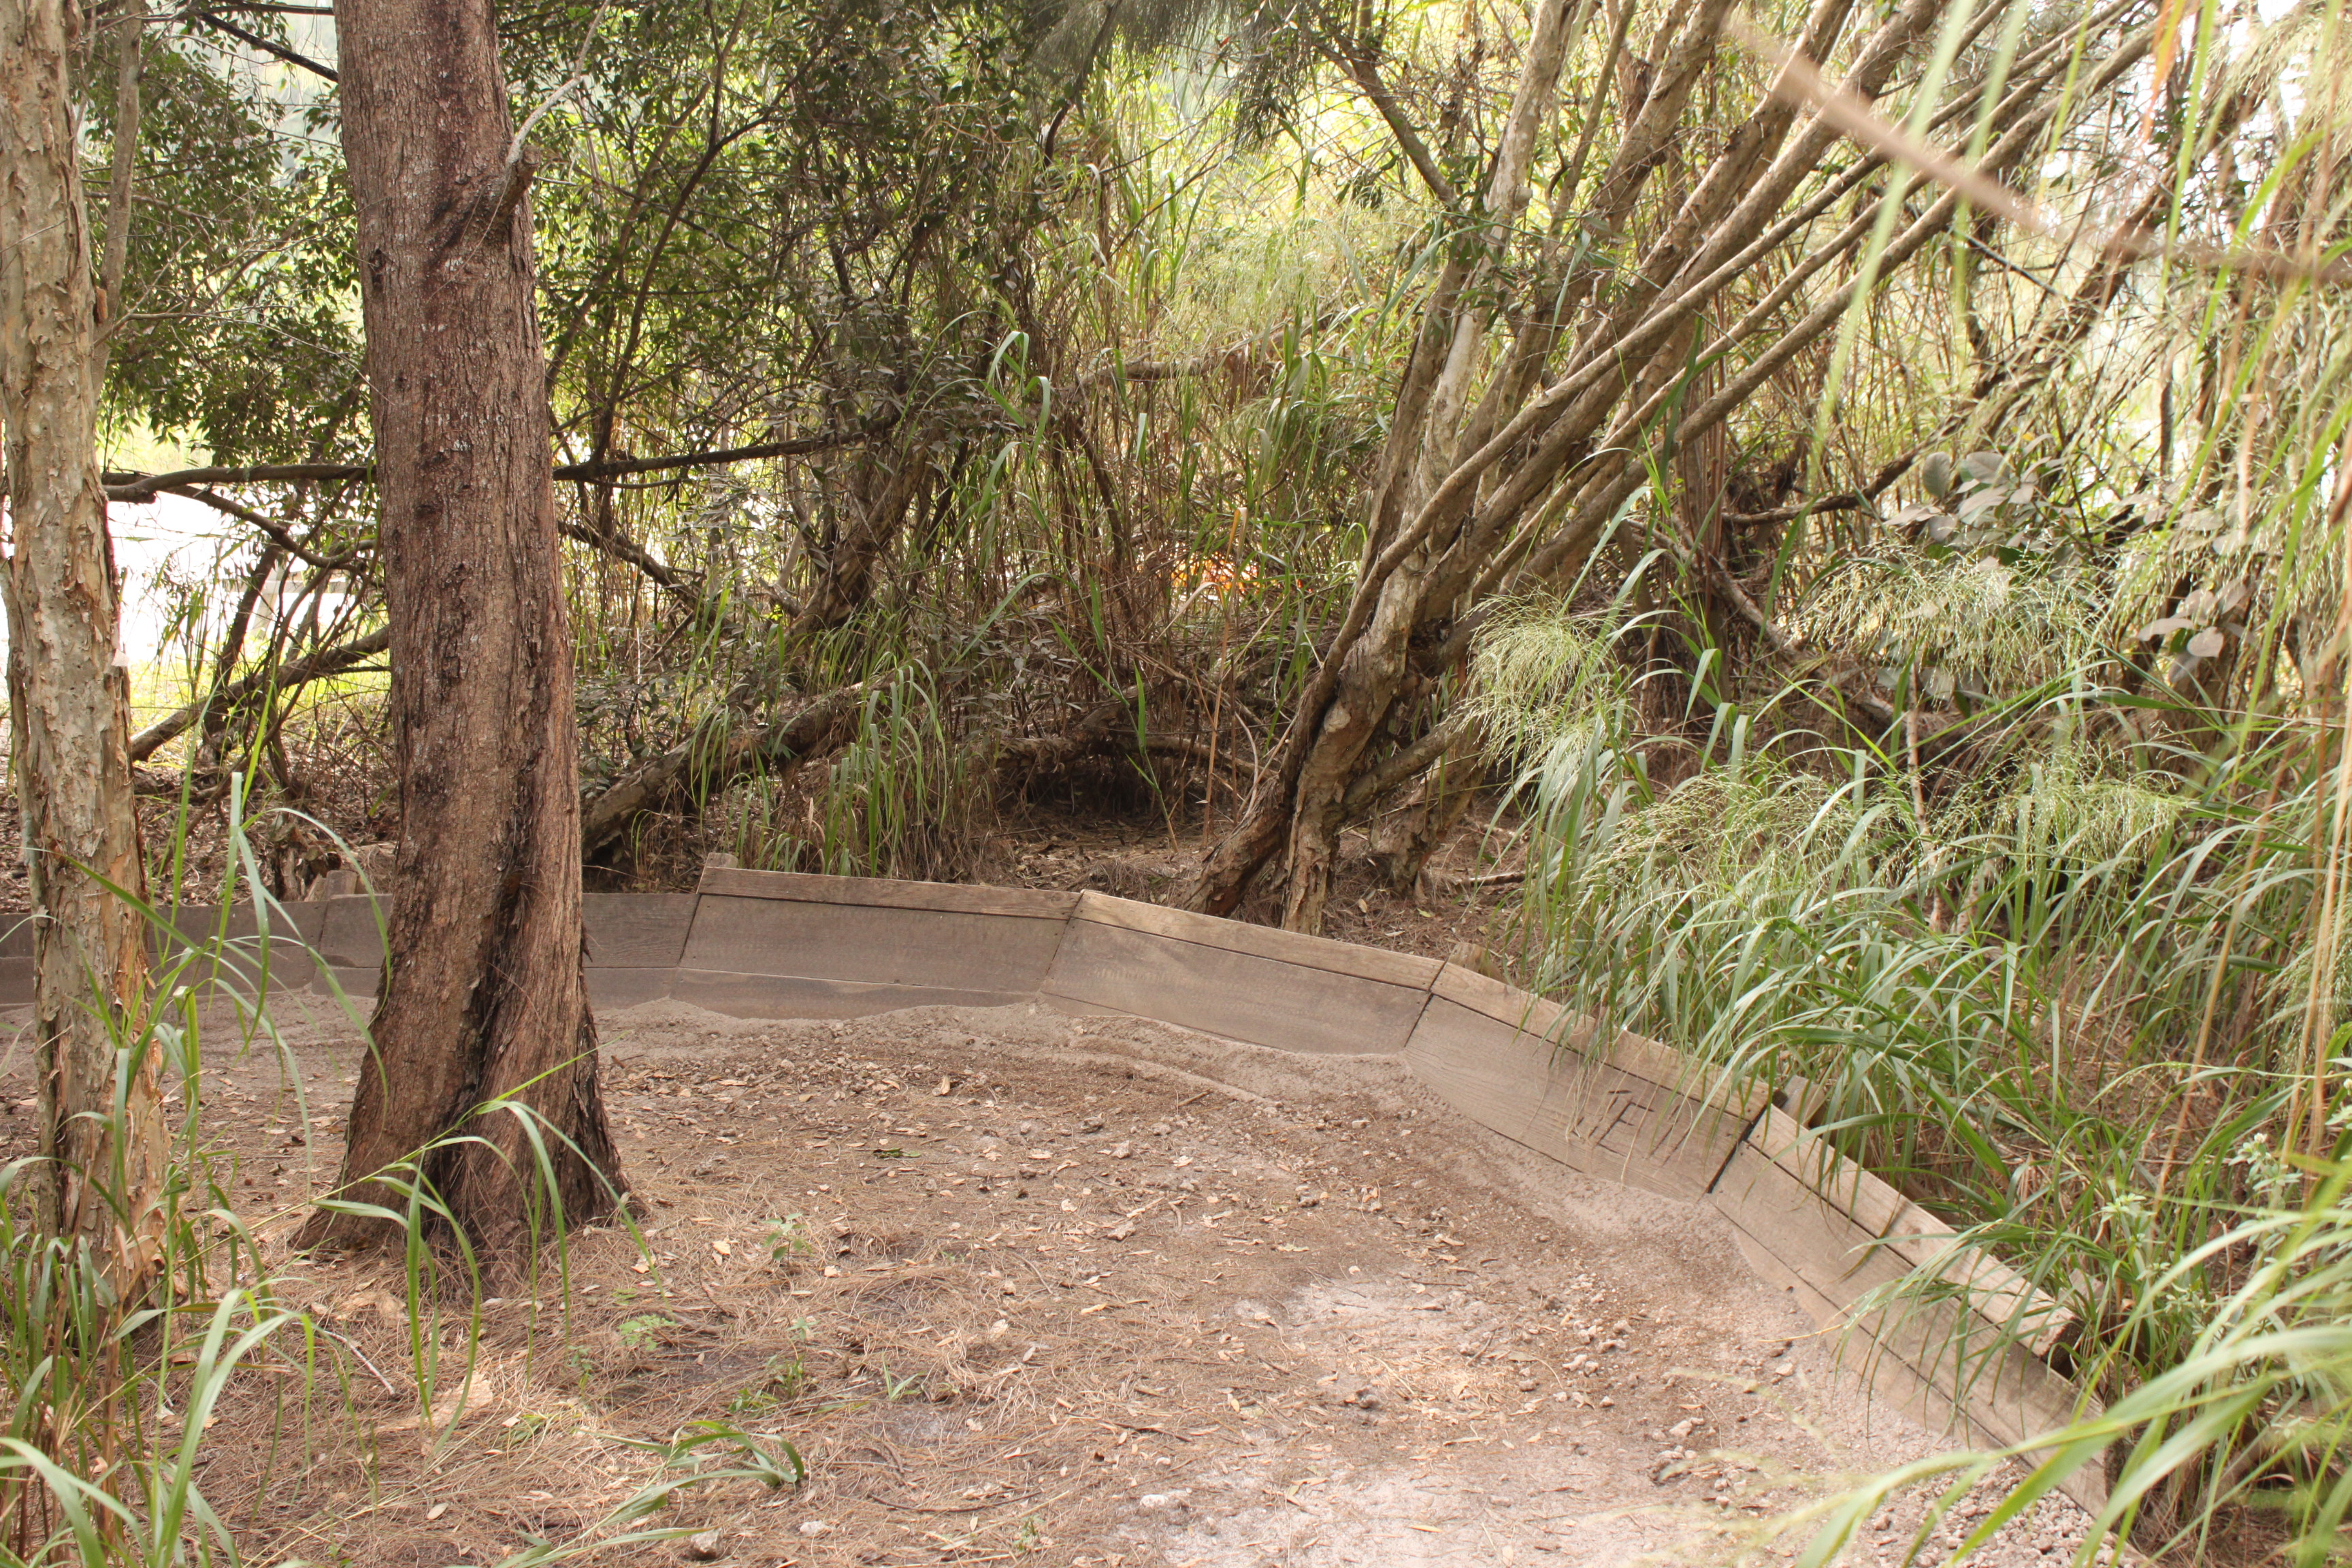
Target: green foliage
{"points": [[2066, 1007], [2251, 1418], [789, 1238], [644, 1331], [1998, 794]]}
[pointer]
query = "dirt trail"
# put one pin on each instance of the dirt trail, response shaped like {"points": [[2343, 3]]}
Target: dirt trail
{"points": [[1099, 1291]]}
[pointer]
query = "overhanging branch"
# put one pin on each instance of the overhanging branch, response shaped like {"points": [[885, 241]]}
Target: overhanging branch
{"points": [[132, 486]]}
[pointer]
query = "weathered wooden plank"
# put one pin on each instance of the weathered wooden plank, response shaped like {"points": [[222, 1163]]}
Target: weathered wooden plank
{"points": [[873, 945], [1889, 1378], [241, 952], [1243, 996], [638, 931], [1959, 1367], [1587, 1113], [794, 997], [350, 937], [1288, 947], [1637, 1054], [1485, 994], [1816, 1236], [359, 982], [622, 985], [957, 898], [2005, 1298], [1071, 1007]]}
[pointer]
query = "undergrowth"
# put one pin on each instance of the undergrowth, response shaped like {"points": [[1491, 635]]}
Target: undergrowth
{"points": [[107, 1399], [2083, 1004]]}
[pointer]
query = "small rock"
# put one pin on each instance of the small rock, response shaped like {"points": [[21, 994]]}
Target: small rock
{"points": [[703, 1546], [813, 1527], [1122, 1150], [1366, 1399], [1683, 1428]]}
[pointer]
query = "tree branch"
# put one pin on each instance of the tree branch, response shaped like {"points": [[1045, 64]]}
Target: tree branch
{"points": [[821, 727], [1204, 362], [131, 486], [1844, 500], [276, 530], [326, 661], [620, 547], [266, 46], [1366, 77], [617, 467]]}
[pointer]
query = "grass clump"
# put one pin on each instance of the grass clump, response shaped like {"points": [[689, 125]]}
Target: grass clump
{"points": [[2076, 1000]]}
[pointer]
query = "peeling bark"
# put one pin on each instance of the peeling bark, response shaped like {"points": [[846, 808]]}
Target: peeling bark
{"points": [[100, 1109]]}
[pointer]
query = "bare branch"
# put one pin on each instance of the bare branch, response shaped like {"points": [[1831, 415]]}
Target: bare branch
{"points": [[326, 661], [277, 531], [266, 46], [620, 547], [1366, 75], [1844, 500], [671, 777], [129, 486]]}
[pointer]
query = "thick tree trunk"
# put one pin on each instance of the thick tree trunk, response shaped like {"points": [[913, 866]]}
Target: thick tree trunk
{"points": [[102, 1128], [483, 996]]}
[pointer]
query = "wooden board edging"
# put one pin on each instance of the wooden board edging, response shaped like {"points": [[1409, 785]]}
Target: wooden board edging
{"points": [[1634, 1112]]}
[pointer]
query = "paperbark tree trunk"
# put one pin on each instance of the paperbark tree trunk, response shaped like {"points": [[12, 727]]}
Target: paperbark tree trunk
{"points": [[1515, 487], [100, 1104], [484, 996]]}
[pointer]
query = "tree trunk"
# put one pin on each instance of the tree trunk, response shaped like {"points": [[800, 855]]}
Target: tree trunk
{"points": [[1514, 489], [882, 487], [69, 700], [483, 996]]}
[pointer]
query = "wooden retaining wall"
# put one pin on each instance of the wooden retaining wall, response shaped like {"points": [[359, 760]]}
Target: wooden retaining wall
{"points": [[768, 944]]}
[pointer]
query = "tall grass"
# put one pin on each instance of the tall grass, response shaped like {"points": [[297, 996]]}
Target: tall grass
{"points": [[2236, 1448], [2063, 995], [105, 1402]]}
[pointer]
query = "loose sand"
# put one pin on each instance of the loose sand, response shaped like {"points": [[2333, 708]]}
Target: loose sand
{"points": [[1030, 1288]]}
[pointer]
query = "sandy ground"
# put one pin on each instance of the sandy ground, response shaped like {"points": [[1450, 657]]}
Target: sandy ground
{"points": [[1028, 1288]]}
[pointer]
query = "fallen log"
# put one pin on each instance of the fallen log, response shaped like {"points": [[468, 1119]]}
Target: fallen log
{"points": [[704, 765]]}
